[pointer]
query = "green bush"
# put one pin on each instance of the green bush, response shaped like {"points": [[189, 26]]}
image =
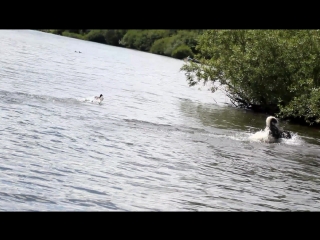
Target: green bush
{"points": [[160, 46], [189, 37], [304, 108], [113, 36], [167, 46], [73, 35], [96, 36], [182, 51], [143, 39]]}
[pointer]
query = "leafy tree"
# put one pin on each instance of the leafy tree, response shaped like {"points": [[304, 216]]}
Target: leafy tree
{"points": [[182, 51], [276, 71]]}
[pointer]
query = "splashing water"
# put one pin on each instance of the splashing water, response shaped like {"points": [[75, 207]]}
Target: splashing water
{"points": [[264, 136]]}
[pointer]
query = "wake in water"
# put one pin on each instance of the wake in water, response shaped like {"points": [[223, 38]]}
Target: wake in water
{"points": [[27, 98]]}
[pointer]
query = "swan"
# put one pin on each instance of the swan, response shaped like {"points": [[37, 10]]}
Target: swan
{"points": [[274, 130], [271, 133]]}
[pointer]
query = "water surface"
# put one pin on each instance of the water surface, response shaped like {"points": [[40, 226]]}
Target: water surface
{"points": [[154, 144]]}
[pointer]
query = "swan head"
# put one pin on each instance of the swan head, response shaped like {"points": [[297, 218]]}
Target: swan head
{"points": [[271, 121], [274, 131], [272, 124]]}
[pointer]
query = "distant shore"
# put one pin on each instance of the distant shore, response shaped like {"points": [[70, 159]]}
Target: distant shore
{"points": [[174, 43]]}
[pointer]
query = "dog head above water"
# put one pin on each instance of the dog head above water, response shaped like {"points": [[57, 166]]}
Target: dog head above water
{"points": [[274, 131]]}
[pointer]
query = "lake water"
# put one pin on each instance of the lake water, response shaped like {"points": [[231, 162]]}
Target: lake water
{"points": [[154, 144]]}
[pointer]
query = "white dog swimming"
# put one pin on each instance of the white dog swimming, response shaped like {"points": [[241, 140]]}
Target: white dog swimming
{"points": [[100, 98], [272, 133], [95, 99]]}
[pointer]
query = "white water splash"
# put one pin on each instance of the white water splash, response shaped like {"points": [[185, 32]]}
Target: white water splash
{"points": [[263, 136], [295, 140]]}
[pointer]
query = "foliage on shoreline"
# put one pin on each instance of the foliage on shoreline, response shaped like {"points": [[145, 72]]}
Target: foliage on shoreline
{"points": [[272, 71], [168, 42]]}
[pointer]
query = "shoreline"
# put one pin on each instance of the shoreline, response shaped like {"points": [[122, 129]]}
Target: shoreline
{"points": [[119, 42]]}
